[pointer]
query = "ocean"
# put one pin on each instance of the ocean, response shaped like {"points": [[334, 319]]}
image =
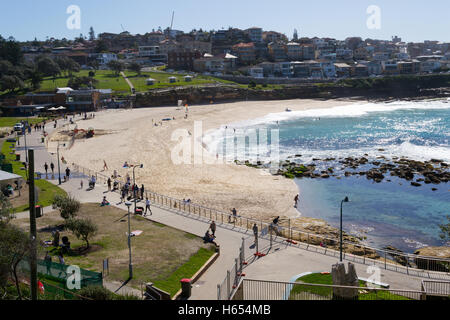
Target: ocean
{"points": [[387, 213]]}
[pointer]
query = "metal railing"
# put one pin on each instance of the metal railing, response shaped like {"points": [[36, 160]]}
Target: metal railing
{"points": [[436, 288], [411, 264], [226, 289], [276, 290]]}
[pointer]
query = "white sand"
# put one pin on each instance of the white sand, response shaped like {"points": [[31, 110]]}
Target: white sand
{"points": [[220, 186]]}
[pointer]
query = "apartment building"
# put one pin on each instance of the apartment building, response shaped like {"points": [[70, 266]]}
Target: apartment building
{"points": [[255, 34], [246, 52]]}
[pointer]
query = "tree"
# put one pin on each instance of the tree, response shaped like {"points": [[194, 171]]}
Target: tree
{"points": [[11, 83], [79, 82], [6, 213], [82, 228], [445, 230], [36, 79], [15, 246], [117, 66], [91, 34], [136, 67], [10, 50], [67, 205], [47, 66], [102, 46]]}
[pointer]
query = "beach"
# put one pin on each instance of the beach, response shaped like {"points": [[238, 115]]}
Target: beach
{"points": [[131, 137]]}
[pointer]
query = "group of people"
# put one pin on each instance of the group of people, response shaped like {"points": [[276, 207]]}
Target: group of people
{"points": [[210, 237], [52, 168]]}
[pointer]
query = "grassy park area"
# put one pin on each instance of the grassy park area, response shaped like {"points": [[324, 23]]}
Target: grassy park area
{"points": [[326, 279], [161, 254], [46, 189], [9, 122], [106, 80]]}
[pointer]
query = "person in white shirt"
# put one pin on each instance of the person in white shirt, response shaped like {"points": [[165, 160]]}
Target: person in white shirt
{"points": [[147, 207]]}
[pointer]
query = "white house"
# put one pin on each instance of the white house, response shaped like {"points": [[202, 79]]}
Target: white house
{"points": [[256, 72]]}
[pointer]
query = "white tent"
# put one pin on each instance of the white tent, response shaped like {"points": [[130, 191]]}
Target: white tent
{"points": [[53, 109], [61, 108]]}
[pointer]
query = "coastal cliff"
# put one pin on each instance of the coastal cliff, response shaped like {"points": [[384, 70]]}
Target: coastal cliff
{"points": [[402, 87]]}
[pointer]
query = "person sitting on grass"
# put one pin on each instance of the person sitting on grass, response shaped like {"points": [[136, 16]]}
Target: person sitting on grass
{"points": [[104, 202], [209, 238]]}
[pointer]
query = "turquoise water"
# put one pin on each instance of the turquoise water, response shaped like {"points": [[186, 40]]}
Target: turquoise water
{"points": [[392, 213]]}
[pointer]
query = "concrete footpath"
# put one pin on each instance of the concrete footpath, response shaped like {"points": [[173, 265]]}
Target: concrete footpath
{"points": [[281, 264]]}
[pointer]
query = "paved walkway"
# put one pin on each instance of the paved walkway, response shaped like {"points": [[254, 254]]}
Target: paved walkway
{"points": [[282, 263], [130, 84]]}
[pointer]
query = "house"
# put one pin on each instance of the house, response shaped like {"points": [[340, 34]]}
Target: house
{"points": [[215, 64], [86, 100], [373, 67], [344, 54], [272, 36], [389, 67], [256, 72], [381, 56], [283, 69], [182, 59], [255, 34], [328, 68], [245, 52], [342, 70], [277, 51], [361, 53], [103, 58], [408, 67], [308, 52], [294, 51], [429, 66], [359, 70], [300, 69], [152, 54]]}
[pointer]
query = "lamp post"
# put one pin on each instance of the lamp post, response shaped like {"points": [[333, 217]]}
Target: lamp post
{"points": [[340, 247], [130, 265], [134, 183], [59, 167]]}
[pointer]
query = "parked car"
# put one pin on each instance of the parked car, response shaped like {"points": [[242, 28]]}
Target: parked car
{"points": [[18, 127]]}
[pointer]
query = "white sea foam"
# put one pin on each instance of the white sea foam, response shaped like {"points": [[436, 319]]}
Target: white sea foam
{"points": [[391, 149]]}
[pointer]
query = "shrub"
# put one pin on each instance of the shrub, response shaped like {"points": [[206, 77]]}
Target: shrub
{"points": [[82, 228], [95, 293], [67, 205]]}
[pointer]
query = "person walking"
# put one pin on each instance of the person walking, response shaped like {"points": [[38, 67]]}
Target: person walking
{"points": [[142, 192], [46, 169], [234, 212], [109, 184], [296, 201], [147, 207], [213, 228], [81, 184], [67, 173], [105, 166], [52, 167], [255, 232]]}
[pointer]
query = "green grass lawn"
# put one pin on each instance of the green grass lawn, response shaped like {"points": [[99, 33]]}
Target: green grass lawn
{"points": [[47, 190], [140, 83], [161, 254], [9, 122], [326, 279], [106, 80]]}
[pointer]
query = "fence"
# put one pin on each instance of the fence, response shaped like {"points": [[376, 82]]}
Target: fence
{"points": [[56, 273], [411, 264], [234, 275], [436, 288], [274, 290]]}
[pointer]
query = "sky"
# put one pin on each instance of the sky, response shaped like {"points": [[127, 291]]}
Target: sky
{"points": [[412, 20]]}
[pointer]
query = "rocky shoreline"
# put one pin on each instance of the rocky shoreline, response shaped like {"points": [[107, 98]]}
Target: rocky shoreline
{"points": [[434, 171]]}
